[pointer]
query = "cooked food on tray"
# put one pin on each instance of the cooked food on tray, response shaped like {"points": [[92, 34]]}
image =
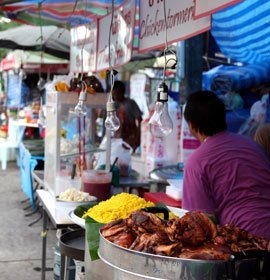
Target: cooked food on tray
{"points": [[75, 195], [194, 236]]}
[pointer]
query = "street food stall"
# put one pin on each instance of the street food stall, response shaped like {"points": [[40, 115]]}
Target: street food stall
{"points": [[124, 238]]}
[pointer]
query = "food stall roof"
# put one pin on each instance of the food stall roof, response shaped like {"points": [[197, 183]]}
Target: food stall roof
{"points": [[29, 59], [55, 40], [241, 31], [58, 12]]}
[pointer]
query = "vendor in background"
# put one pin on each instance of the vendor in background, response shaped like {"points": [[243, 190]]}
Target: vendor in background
{"points": [[229, 174], [262, 137], [129, 115]]}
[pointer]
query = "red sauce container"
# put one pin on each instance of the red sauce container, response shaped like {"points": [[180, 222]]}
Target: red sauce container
{"points": [[97, 183]]}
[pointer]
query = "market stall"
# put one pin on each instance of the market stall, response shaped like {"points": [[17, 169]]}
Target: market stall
{"points": [[122, 241], [20, 71]]}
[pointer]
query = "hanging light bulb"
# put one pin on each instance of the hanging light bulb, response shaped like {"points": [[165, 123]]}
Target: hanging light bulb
{"points": [[112, 122], [161, 124], [80, 109]]}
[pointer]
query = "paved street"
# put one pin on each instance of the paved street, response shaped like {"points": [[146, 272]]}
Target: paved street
{"points": [[20, 253]]}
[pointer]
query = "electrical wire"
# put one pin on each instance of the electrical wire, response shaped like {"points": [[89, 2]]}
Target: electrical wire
{"points": [[41, 37], [166, 49], [166, 39], [69, 18], [83, 45], [110, 99]]}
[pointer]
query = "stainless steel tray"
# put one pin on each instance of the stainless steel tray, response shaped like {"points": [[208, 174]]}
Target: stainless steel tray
{"points": [[149, 266]]}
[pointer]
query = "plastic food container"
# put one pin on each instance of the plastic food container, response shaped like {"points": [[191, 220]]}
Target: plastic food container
{"points": [[97, 183]]}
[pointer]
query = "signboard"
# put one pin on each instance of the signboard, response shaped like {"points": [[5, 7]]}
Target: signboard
{"points": [[205, 8], [138, 92], [83, 48], [121, 36], [9, 62], [181, 24]]}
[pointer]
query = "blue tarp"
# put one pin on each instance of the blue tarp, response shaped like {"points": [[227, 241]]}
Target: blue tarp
{"points": [[242, 31], [17, 91], [224, 78]]}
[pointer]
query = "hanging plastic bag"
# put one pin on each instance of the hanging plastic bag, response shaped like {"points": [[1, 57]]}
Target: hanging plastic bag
{"points": [[120, 149], [258, 112], [188, 143]]}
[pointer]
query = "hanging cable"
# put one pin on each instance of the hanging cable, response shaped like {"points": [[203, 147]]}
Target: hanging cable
{"points": [[41, 81], [110, 62], [80, 109], [84, 42], [166, 49], [166, 39], [67, 24], [112, 122], [41, 38], [160, 123]]}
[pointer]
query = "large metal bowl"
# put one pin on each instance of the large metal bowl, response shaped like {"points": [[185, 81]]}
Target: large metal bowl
{"points": [[149, 266]]}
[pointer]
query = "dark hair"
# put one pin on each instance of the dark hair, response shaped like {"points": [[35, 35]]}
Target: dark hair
{"points": [[206, 112], [119, 86]]}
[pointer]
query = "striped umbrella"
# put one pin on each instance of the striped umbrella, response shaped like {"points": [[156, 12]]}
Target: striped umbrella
{"points": [[58, 12], [62, 13], [4, 2], [243, 31]]}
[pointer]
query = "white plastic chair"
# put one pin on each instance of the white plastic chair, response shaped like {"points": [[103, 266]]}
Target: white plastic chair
{"points": [[15, 134]]}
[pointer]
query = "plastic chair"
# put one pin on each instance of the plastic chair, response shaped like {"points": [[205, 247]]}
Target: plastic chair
{"points": [[27, 165], [15, 135]]}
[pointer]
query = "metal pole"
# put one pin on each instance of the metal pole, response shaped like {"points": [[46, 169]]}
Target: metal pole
{"points": [[44, 245], [193, 68]]}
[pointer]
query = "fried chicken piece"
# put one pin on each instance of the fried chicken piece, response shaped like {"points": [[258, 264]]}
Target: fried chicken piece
{"points": [[141, 221], [197, 228], [141, 242], [123, 239], [145, 241], [259, 242], [113, 228], [168, 250], [240, 240], [231, 234], [206, 252], [174, 230]]}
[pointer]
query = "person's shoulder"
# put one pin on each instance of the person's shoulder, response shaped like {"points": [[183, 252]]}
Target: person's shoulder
{"points": [[133, 104], [235, 137], [131, 101], [194, 158], [241, 138], [244, 142]]}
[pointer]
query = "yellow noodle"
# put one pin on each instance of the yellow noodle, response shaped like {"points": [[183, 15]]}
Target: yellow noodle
{"points": [[117, 207]]}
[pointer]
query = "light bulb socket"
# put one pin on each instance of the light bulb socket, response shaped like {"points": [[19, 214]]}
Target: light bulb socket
{"points": [[83, 96], [114, 72], [174, 65], [111, 106], [162, 94]]}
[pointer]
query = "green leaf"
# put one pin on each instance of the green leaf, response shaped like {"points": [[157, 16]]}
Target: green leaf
{"points": [[81, 209], [161, 204], [92, 228], [92, 233]]}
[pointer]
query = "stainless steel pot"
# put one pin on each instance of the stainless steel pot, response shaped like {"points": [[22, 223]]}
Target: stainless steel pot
{"points": [[149, 266]]}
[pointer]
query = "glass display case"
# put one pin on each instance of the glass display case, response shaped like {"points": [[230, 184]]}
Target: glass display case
{"points": [[70, 139]]}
